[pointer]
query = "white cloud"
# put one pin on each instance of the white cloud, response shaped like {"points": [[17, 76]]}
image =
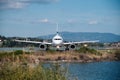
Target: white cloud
{"points": [[16, 5], [29, 1], [71, 21], [38, 1], [13, 4], [44, 20], [22, 3], [93, 22]]}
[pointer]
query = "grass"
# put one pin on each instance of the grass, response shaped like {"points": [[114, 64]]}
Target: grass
{"points": [[48, 56], [86, 50], [117, 54], [17, 66], [10, 71]]}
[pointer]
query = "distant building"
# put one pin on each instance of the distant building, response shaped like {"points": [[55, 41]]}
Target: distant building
{"points": [[1, 42], [116, 45]]}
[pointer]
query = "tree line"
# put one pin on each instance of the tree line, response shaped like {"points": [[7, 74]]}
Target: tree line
{"points": [[9, 41]]}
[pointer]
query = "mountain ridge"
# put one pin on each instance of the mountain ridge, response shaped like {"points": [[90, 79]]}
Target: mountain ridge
{"points": [[81, 36]]}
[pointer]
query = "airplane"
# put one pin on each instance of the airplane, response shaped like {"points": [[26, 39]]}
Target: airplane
{"points": [[58, 42]]}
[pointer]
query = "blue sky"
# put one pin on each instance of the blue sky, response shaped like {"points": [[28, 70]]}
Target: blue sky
{"points": [[39, 17]]}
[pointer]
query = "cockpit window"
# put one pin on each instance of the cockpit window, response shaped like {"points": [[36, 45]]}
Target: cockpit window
{"points": [[57, 39]]}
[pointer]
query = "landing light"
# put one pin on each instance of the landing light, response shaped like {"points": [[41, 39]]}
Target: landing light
{"points": [[85, 45]]}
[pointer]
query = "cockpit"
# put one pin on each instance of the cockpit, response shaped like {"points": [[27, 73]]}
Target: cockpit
{"points": [[57, 39]]}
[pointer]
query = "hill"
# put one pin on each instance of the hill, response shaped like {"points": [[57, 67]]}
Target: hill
{"points": [[81, 36]]}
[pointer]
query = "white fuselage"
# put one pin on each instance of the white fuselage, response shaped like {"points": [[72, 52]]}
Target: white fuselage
{"points": [[57, 40]]}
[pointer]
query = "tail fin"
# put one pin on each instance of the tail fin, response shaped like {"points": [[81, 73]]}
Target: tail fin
{"points": [[57, 28]]}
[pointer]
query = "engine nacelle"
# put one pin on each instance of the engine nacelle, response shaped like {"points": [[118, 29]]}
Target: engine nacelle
{"points": [[72, 47], [43, 47]]}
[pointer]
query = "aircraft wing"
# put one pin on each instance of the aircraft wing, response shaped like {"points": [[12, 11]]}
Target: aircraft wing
{"points": [[36, 42], [67, 43]]}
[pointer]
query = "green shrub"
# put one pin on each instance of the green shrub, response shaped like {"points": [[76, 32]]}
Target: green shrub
{"points": [[5, 54], [9, 71], [117, 54], [51, 51], [87, 50], [18, 52]]}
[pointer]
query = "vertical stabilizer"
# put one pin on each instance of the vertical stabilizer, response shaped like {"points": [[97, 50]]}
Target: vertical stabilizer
{"points": [[57, 28]]}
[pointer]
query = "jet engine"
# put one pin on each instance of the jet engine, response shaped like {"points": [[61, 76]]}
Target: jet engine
{"points": [[43, 47], [72, 47]]}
